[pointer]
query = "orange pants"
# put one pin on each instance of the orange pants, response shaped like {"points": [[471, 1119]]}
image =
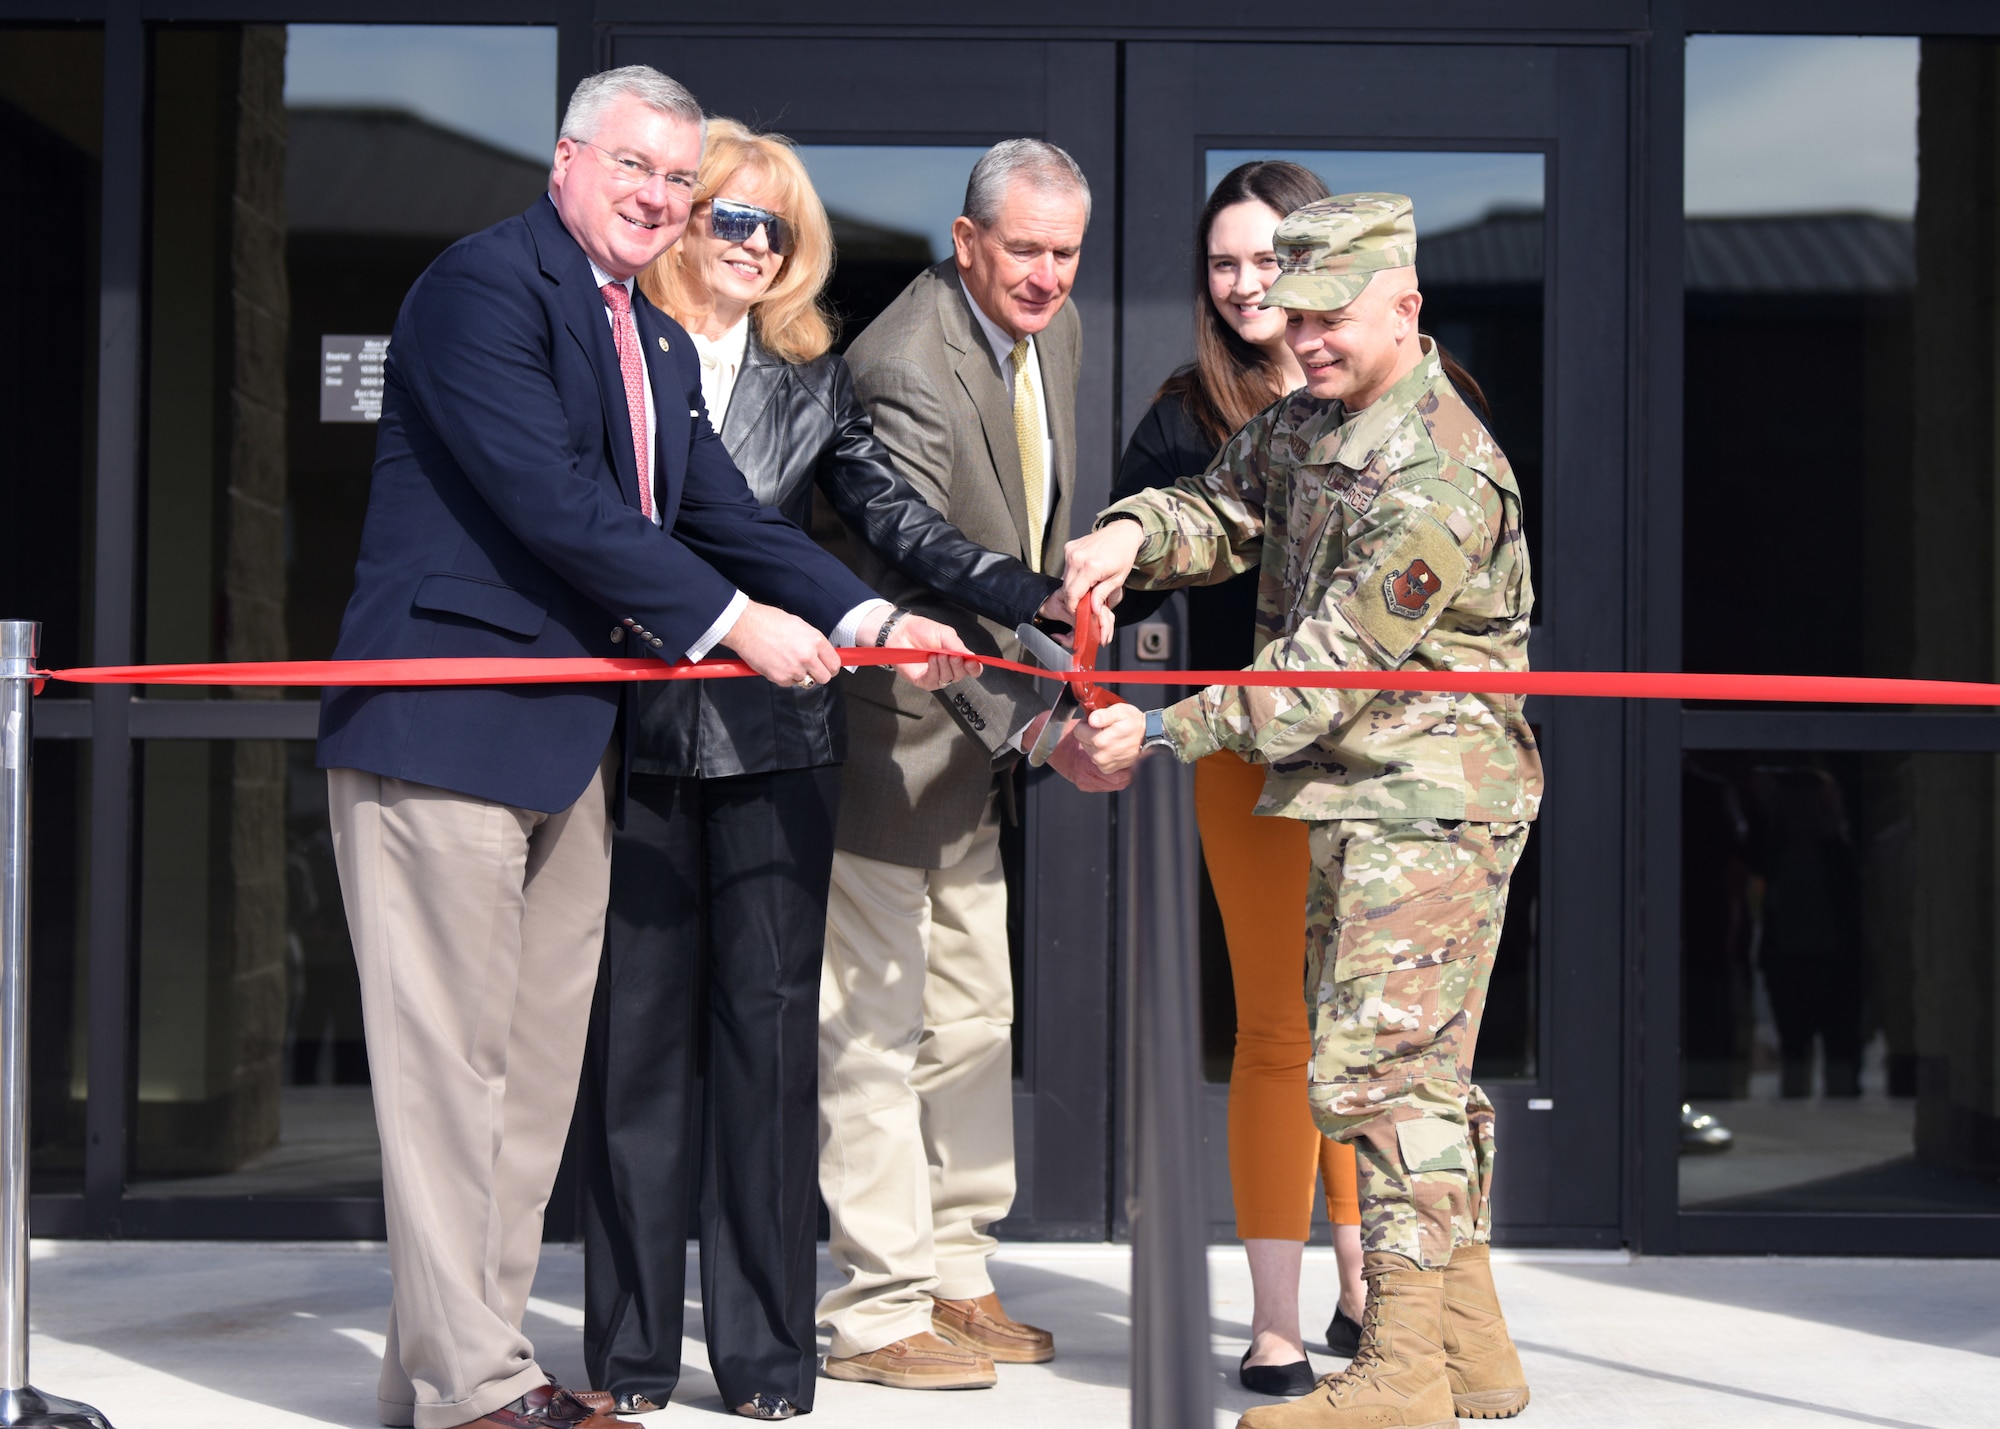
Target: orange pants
{"points": [[1258, 868]]}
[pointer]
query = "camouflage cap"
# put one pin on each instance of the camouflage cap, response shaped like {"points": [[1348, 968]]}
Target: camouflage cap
{"points": [[1328, 250]]}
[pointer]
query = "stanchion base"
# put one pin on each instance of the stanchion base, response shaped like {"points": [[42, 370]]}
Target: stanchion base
{"points": [[31, 1409]]}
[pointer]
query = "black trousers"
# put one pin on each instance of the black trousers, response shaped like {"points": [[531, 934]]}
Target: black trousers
{"points": [[707, 1016]]}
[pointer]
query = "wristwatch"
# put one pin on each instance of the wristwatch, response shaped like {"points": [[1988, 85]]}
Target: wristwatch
{"points": [[1156, 731]]}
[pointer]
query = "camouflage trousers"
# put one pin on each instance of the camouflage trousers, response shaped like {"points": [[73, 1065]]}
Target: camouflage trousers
{"points": [[1402, 921]]}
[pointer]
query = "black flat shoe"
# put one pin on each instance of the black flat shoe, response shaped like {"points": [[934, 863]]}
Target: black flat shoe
{"points": [[1343, 1335], [1286, 1381]]}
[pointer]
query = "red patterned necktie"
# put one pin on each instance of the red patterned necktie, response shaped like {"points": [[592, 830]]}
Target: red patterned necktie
{"points": [[625, 333]]}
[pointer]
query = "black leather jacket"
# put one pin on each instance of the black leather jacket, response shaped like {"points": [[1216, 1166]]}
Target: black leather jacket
{"points": [[794, 427]]}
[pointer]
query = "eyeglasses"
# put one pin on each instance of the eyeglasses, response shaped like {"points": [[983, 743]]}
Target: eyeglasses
{"points": [[628, 172], [734, 222]]}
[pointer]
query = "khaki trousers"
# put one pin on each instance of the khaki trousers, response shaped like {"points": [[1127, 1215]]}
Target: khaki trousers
{"points": [[916, 1087], [476, 930]]}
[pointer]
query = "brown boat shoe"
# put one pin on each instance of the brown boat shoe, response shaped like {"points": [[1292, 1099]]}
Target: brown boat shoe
{"points": [[917, 1362], [982, 1325]]}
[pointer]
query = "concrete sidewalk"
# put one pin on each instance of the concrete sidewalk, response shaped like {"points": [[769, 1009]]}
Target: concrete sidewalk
{"points": [[175, 1335]]}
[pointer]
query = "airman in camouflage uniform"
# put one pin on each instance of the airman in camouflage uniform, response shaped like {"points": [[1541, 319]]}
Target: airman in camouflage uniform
{"points": [[1387, 538]]}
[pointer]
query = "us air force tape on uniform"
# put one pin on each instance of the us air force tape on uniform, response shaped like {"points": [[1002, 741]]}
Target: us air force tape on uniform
{"points": [[1327, 251]]}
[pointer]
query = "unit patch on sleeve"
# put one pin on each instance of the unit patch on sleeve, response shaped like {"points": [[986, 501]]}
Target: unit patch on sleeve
{"points": [[1409, 590], [1411, 581]]}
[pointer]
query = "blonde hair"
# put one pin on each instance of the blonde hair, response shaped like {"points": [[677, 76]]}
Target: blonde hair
{"points": [[790, 319]]}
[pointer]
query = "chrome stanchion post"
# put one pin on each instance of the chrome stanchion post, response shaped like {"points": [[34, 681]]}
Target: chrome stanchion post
{"points": [[20, 1402]]}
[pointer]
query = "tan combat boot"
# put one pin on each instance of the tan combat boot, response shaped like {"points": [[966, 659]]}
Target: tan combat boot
{"points": [[1397, 1379], [1485, 1373]]}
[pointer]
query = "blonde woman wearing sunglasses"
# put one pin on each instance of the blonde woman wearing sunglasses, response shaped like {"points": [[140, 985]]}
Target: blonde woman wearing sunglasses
{"points": [[709, 984]]}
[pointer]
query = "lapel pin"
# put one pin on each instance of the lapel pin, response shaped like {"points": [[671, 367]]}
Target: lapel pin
{"points": [[663, 344]]}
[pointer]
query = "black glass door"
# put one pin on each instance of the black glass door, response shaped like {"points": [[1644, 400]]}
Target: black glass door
{"points": [[1515, 158], [890, 130]]}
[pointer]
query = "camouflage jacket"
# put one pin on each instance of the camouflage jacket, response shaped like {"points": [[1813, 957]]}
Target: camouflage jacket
{"points": [[1394, 541]]}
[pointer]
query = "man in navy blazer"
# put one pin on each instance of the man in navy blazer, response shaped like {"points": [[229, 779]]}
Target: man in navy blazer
{"points": [[529, 391]]}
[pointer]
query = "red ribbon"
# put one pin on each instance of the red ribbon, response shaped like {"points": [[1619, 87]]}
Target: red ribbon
{"points": [[1813, 689]]}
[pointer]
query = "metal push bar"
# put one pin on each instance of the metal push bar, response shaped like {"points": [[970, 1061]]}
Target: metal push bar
{"points": [[20, 1402]]}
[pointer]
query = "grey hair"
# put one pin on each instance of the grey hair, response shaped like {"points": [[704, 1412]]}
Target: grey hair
{"points": [[1029, 161], [598, 92]]}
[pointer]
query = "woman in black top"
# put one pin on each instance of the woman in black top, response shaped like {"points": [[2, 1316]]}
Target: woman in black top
{"points": [[719, 878], [1258, 867]]}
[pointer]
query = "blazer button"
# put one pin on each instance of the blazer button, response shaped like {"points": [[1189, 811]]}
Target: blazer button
{"points": [[630, 623], [658, 642], [617, 634]]}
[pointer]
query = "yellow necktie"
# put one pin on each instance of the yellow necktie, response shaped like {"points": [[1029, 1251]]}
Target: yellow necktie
{"points": [[1028, 437]]}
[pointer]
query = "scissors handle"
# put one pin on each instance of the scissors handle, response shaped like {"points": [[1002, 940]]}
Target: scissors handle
{"points": [[1088, 695]]}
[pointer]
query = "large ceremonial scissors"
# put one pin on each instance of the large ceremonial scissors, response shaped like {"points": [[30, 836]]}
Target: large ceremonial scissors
{"points": [[1078, 695]]}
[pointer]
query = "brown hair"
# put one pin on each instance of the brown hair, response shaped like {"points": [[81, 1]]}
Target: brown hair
{"points": [[790, 318], [1231, 381], [1468, 387]]}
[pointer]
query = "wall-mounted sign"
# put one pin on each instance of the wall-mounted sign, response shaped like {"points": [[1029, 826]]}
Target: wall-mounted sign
{"points": [[350, 378]]}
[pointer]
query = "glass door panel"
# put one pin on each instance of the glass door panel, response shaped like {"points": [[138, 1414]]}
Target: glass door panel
{"points": [[1479, 256], [1517, 171], [51, 131], [1839, 945], [1841, 938], [302, 177], [891, 206]]}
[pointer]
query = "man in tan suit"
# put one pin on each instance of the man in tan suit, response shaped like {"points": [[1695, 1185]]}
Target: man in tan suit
{"points": [[970, 376]]}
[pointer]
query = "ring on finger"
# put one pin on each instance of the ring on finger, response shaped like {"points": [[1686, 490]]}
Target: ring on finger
{"points": [[805, 682]]}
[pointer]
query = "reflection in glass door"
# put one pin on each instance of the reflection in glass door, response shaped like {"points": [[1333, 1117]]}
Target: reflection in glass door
{"points": [[302, 178], [51, 130], [1839, 934], [891, 206]]}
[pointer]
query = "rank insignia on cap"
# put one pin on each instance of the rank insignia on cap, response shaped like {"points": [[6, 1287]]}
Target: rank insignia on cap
{"points": [[1409, 590], [663, 345]]}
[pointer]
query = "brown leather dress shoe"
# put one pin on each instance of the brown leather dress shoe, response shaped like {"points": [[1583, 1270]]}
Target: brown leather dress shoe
{"points": [[982, 1325], [597, 1401], [603, 1401], [549, 1406], [917, 1362]]}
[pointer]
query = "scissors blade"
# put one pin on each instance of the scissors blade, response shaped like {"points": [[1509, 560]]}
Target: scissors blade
{"points": [[1060, 714], [1051, 655]]}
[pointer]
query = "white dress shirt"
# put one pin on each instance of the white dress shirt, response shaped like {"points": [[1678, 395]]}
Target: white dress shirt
{"points": [[1003, 353]]}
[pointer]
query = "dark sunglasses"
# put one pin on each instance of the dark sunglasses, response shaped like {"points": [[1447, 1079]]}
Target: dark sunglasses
{"points": [[734, 222]]}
